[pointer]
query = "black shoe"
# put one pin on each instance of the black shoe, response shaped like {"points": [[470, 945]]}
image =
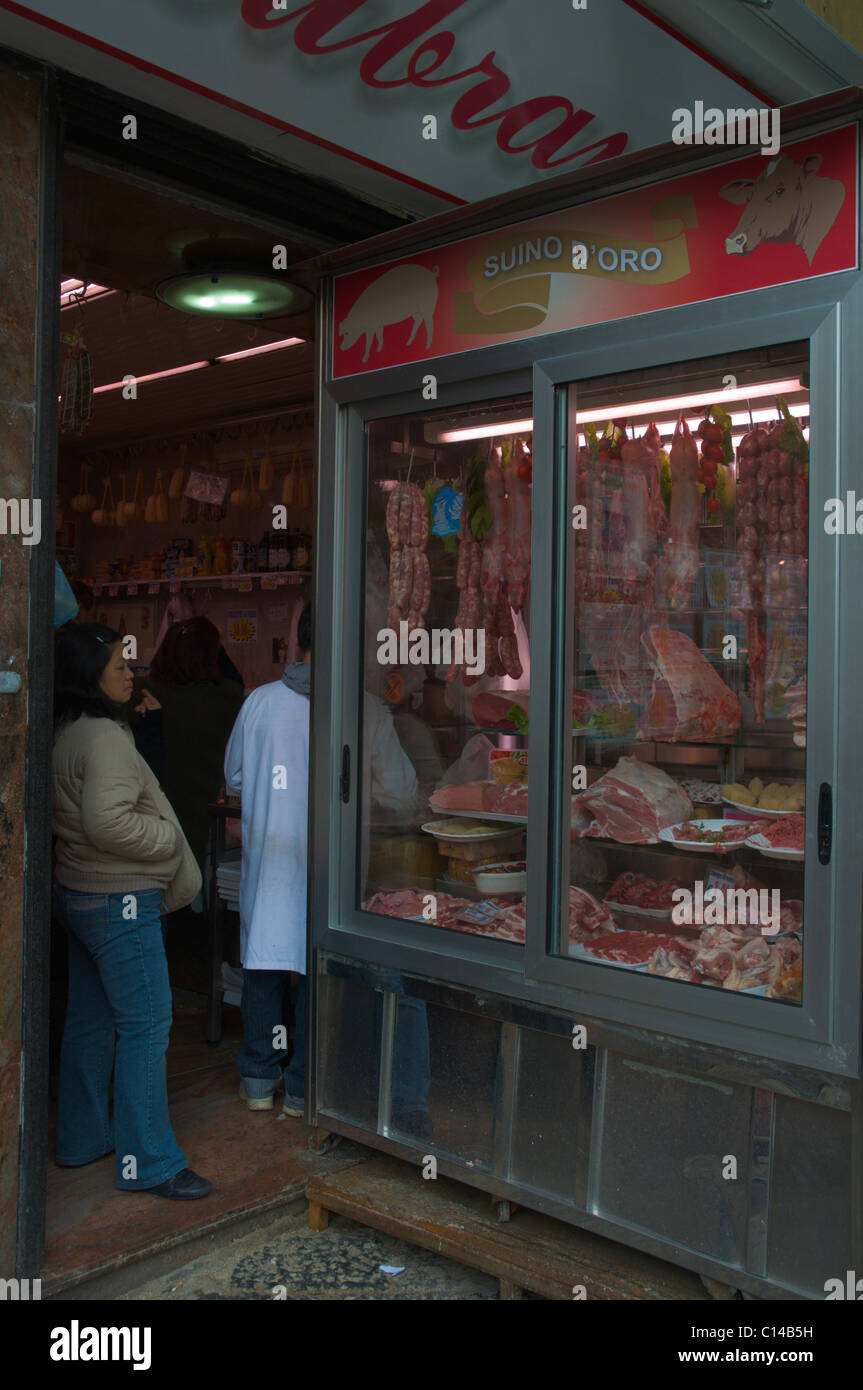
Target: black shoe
{"points": [[184, 1186]]}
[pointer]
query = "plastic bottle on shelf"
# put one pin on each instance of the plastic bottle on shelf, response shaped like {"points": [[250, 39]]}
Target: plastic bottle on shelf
{"points": [[263, 552], [301, 554]]}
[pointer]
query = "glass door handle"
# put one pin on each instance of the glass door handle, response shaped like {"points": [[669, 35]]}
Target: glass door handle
{"points": [[825, 822], [345, 779]]}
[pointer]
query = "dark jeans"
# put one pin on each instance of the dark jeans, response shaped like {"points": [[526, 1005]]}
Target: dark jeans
{"points": [[261, 1064], [118, 984]]}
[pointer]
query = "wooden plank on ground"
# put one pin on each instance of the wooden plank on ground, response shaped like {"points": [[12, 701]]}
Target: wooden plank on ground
{"points": [[531, 1251]]}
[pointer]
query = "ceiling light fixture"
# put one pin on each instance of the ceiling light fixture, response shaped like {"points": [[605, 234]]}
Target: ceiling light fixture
{"points": [[234, 290]]}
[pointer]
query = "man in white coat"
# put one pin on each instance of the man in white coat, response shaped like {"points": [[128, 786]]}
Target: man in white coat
{"points": [[267, 763]]}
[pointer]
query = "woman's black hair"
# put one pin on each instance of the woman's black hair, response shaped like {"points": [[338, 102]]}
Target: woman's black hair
{"points": [[81, 653], [304, 630]]}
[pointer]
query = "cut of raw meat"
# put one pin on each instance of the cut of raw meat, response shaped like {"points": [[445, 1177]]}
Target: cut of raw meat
{"points": [[503, 800], [632, 803], [510, 800], [736, 959], [632, 947], [587, 917], [689, 701], [795, 710], [490, 707], [460, 796]]}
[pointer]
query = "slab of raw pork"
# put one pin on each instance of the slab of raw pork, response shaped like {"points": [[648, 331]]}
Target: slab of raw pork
{"points": [[495, 797], [689, 701], [632, 803], [461, 796]]}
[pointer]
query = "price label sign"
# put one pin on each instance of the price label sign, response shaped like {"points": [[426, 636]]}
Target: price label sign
{"points": [[245, 586], [152, 588], [112, 591], [133, 589]]}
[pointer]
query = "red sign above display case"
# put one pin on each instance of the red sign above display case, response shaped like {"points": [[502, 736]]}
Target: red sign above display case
{"points": [[743, 225]]}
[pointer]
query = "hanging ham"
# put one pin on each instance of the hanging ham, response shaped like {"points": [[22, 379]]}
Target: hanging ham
{"points": [[689, 701]]}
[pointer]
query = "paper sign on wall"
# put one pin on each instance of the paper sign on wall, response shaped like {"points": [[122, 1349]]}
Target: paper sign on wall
{"points": [[242, 625]]}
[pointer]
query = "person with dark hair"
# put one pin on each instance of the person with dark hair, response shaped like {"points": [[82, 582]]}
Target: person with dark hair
{"points": [[267, 762], [119, 851], [198, 710], [227, 667], [86, 602]]}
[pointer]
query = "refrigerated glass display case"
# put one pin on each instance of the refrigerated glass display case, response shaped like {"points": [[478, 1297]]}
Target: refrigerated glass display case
{"points": [[586, 837]]}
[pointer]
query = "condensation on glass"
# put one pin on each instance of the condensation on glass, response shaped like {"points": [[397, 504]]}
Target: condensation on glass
{"points": [[687, 588]]}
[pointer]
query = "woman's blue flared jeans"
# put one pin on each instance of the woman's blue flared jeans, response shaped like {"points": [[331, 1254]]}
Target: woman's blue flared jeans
{"points": [[118, 1017]]}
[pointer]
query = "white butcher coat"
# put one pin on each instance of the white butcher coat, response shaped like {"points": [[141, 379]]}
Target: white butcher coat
{"points": [[272, 729]]}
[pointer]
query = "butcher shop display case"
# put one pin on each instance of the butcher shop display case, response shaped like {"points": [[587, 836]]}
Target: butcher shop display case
{"points": [[585, 884]]}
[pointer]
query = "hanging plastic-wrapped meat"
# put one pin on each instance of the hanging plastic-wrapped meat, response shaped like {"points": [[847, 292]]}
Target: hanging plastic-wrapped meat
{"points": [[684, 519]]}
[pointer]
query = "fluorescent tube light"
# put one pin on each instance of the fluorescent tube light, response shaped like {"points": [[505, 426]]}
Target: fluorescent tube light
{"points": [[266, 347], [485, 431], [626, 410], [151, 376], [196, 366]]}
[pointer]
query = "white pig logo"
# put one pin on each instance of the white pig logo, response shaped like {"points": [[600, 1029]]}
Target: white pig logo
{"points": [[405, 292]]}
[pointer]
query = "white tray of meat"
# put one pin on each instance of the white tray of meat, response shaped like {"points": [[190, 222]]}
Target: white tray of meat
{"points": [[658, 913], [487, 815], [462, 830], [781, 840], [578, 952], [707, 836]]}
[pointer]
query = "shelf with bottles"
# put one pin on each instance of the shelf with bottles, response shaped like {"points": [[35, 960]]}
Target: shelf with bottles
{"points": [[226, 581]]}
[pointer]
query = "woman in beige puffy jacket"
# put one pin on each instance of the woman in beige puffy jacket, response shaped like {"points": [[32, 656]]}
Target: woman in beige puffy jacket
{"points": [[118, 848]]}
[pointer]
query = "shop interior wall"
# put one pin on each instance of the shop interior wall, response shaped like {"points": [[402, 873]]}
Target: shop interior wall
{"points": [[259, 651], [19, 181]]}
